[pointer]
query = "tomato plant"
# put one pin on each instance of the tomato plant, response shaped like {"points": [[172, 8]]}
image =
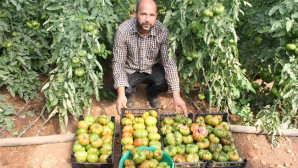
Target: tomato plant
{"points": [[205, 43], [23, 51], [221, 47], [6, 110], [82, 35], [270, 27]]}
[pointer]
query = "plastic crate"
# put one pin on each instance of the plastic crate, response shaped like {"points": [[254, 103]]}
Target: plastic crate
{"points": [[186, 164], [213, 164], [110, 159], [137, 112]]}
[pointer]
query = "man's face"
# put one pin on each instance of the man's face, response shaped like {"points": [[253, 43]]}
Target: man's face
{"points": [[146, 16]]}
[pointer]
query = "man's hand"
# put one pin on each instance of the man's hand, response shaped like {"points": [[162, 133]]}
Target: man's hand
{"points": [[178, 102], [121, 99], [121, 103]]}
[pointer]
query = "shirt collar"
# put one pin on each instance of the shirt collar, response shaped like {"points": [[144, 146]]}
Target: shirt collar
{"points": [[153, 31]]}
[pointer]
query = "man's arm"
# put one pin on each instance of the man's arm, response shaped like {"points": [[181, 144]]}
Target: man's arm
{"points": [[172, 77], [119, 74]]}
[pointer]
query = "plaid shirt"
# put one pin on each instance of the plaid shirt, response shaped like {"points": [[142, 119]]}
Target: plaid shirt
{"points": [[132, 53]]}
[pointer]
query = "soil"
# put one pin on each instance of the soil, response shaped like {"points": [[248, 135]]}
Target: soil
{"points": [[255, 148]]}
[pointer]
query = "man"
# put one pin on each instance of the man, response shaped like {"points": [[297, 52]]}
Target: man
{"points": [[140, 44]]}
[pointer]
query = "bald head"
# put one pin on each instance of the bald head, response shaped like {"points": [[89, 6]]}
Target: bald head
{"points": [[142, 3], [146, 15]]}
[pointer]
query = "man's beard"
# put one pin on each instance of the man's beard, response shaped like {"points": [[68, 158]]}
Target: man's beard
{"points": [[140, 26]]}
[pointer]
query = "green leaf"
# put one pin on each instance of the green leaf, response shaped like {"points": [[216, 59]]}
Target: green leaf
{"points": [[276, 25], [30, 113], [54, 101], [289, 24], [273, 10], [54, 112], [18, 7], [243, 101], [66, 118], [186, 88], [167, 17], [45, 86], [109, 2], [295, 15], [9, 123], [247, 3], [2, 97], [55, 7]]}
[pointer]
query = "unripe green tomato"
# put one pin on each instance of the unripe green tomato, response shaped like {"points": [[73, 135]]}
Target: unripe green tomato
{"points": [[184, 52], [81, 25], [2, 14], [82, 53], [60, 79], [96, 51], [189, 58], [208, 13], [7, 44], [29, 25], [15, 34], [218, 10], [89, 28], [95, 32], [290, 47], [75, 60], [194, 55], [201, 96], [274, 92], [199, 35], [43, 17], [255, 85], [81, 156], [92, 158], [79, 72], [35, 23]]}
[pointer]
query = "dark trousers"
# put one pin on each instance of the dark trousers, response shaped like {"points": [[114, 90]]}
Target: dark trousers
{"points": [[156, 81]]}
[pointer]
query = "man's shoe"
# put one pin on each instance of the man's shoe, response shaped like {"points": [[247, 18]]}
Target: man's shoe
{"points": [[130, 101], [154, 101]]}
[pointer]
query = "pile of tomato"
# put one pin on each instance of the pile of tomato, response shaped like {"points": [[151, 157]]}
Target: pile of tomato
{"points": [[33, 25], [140, 131], [94, 141], [145, 158], [208, 138]]}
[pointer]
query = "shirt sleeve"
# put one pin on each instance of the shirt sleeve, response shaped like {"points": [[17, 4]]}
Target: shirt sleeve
{"points": [[169, 64], [119, 59]]}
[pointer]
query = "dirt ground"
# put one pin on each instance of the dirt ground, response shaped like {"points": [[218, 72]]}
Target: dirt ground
{"points": [[255, 148]]}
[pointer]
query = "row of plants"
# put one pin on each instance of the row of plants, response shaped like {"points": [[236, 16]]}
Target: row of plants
{"points": [[231, 49], [268, 35], [234, 50], [68, 41]]}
